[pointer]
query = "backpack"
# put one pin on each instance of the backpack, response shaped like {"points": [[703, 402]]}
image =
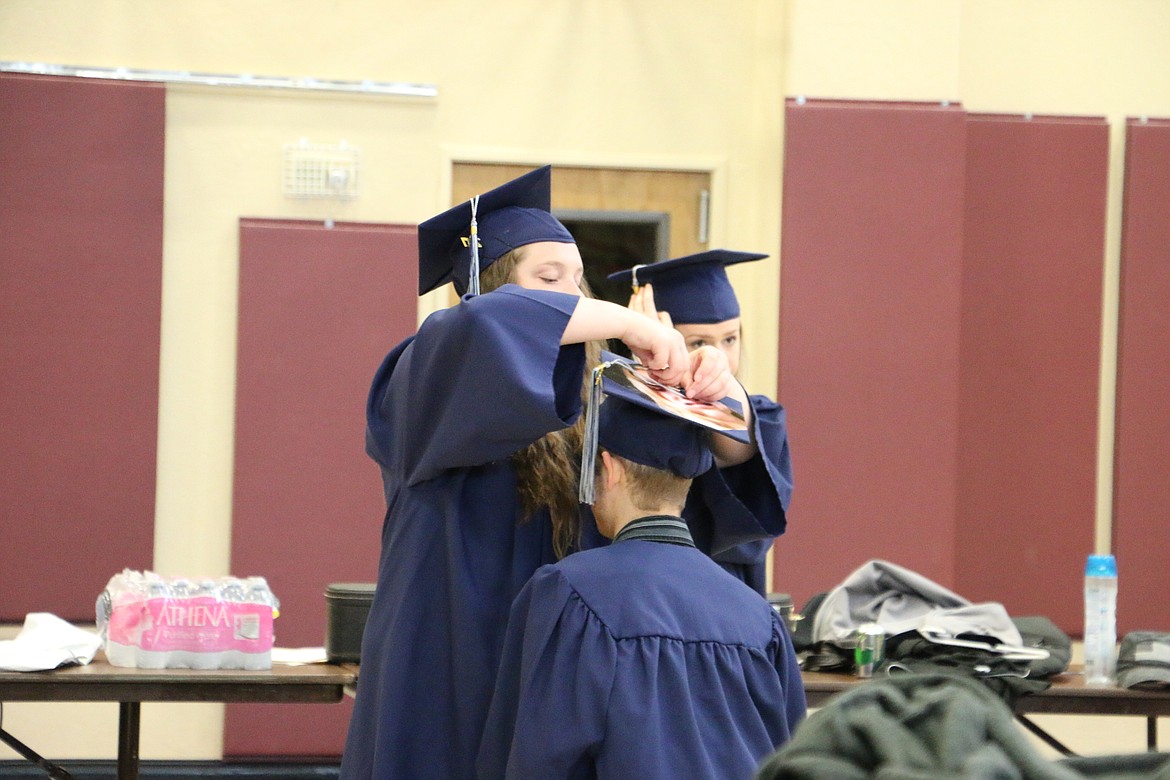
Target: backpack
{"points": [[911, 652]]}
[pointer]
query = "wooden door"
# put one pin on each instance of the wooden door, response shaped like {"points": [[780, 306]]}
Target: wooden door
{"points": [[680, 197], [681, 194]]}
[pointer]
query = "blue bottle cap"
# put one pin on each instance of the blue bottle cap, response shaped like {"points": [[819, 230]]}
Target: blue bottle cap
{"points": [[1101, 566]]}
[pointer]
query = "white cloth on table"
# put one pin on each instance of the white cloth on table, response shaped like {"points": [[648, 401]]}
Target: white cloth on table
{"points": [[46, 642]]}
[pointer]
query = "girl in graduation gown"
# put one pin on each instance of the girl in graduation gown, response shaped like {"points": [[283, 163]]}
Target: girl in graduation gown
{"points": [[470, 422], [734, 511], [643, 659]]}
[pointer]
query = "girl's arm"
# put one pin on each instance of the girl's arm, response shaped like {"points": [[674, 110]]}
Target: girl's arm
{"points": [[659, 347]]}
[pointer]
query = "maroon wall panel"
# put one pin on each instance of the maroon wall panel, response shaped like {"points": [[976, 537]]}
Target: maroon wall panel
{"points": [[869, 341], [319, 308], [1033, 237], [81, 217], [1142, 455]]}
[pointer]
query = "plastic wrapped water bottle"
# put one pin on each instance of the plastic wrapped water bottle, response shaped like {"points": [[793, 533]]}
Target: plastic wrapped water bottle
{"points": [[1100, 620], [154, 622]]}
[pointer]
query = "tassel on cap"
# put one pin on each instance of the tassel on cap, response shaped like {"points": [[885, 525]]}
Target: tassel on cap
{"points": [[589, 439], [634, 276], [473, 273]]}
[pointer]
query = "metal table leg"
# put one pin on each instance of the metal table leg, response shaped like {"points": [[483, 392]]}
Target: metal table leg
{"points": [[1044, 735], [128, 715], [51, 769]]}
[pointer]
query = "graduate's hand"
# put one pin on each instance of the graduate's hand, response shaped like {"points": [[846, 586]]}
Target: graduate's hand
{"points": [[709, 375], [643, 302], [660, 348], [713, 381]]}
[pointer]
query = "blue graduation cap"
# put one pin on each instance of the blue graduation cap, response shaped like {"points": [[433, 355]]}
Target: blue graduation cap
{"points": [[459, 243], [647, 422], [663, 442], [692, 289]]}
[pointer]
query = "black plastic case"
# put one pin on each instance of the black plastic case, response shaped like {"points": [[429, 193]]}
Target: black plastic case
{"points": [[348, 605]]}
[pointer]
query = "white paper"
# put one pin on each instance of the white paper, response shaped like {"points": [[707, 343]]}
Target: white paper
{"points": [[293, 656], [46, 642]]}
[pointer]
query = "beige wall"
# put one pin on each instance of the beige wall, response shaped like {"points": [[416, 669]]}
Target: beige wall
{"points": [[683, 84]]}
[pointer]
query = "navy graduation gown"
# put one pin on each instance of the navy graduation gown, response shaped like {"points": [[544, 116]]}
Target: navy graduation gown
{"points": [[478, 382], [735, 512], [640, 660]]}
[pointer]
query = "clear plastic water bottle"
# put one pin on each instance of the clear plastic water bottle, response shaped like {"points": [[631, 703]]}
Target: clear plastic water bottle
{"points": [[1100, 620]]}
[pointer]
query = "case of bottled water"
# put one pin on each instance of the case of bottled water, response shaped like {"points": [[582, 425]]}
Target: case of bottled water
{"points": [[153, 622]]}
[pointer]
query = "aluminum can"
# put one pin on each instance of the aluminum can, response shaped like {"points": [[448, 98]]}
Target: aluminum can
{"points": [[782, 603], [869, 650]]}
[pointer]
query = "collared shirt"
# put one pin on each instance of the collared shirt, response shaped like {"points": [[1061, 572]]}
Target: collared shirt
{"points": [[667, 529]]}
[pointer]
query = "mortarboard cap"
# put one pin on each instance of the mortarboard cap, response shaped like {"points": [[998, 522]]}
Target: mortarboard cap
{"points": [[692, 289], [663, 442], [512, 215], [647, 422]]}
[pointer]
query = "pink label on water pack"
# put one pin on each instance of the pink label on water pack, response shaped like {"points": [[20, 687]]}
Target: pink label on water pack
{"points": [[201, 625], [125, 623]]}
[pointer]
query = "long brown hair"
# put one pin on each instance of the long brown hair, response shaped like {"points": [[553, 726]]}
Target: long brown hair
{"points": [[549, 469]]}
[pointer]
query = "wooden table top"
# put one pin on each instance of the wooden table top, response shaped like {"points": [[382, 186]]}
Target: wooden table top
{"points": [[100, 681]]}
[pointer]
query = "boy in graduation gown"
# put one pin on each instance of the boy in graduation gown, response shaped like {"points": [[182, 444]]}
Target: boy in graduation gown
{"points": [[644, 658], [471, 423], [735, 510]]}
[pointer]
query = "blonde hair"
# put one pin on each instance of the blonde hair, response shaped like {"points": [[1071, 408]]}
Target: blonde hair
{"points": [[649, 488], [549, 469]]}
